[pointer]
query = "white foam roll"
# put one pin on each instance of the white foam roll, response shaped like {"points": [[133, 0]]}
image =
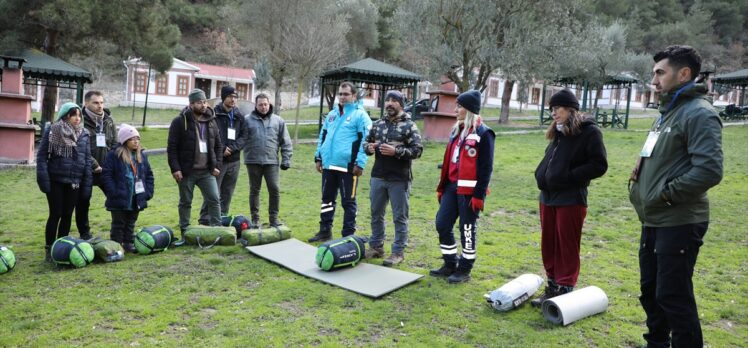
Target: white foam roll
{"points": [[579, 304]]}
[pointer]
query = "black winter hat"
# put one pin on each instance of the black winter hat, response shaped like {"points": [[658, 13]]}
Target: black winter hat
{"points": [[565, 98], [227, 91], [397, 96], [470, 100]]}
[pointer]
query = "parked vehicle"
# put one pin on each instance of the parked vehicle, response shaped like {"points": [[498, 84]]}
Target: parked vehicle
{"points": [[422, 105]]}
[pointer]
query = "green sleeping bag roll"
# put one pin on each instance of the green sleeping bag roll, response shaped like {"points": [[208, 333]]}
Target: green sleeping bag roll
{"points": [[69, 251], [266, 234], [208, 236], [7, 259], [341, 252], [152, 239]]}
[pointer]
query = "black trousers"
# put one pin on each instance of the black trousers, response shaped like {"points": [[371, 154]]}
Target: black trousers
{"points": [[667, 256], [123, 226], [61, 200], [332, 182]]}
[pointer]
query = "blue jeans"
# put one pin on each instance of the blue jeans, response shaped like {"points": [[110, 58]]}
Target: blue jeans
{"points": [[208, 187], [455, 206], [398, 194]]}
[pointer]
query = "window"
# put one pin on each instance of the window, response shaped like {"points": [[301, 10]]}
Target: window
{"points": [[535, 96], [578, 93], [219, 85], [162, 82], [493, 89], [638, 96], [183, 85], [241, 91], [30, 90], [140, 78]]}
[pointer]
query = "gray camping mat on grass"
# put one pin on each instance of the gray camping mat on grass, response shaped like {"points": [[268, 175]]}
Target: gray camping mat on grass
{"points": [[365, 279]]}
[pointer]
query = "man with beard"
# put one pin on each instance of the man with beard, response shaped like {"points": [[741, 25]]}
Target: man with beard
{"points": [[395, 142], [232, 128], [266, 136], [103, 134], [195, 154]]}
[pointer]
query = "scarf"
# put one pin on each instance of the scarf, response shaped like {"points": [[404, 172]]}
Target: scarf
{"points": [[63, 138], [98, 119]]}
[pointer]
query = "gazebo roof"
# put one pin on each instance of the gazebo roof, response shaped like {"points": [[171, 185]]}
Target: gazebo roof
{"points": [[370, 70], [735, 78], [40, 65]]}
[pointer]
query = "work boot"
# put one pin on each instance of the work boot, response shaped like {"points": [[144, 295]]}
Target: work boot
{"points": [[321, 236], [550, 291], [460, 275], [394, 259], [446, 270], [375, 253], [129, 248]]}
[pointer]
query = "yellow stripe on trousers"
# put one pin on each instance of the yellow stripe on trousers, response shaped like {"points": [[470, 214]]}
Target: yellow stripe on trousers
{"points": [[353, 192]]}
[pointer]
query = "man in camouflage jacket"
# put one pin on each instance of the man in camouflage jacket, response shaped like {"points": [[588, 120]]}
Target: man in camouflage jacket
{"points": [[395, 142]]}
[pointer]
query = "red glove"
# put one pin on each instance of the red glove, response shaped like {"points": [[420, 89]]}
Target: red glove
{"points": [[476, 204], [439, 197]]}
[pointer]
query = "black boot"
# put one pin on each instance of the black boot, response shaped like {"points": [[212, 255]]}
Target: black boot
{"points": [[321, 236], [47, 254], [86, 235], [178, 242], [445, 270], [462, 274], [550, 291], [129, 248]]}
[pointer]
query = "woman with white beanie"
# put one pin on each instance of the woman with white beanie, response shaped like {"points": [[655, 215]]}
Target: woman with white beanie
{"points": [[127, 181]]}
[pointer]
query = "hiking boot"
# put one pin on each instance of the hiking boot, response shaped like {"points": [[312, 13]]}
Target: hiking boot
{"points": [[460, 275], [375, 253], [129, 248], [549, 292], [321, 236], [86, 235], [47, 254], [254, 223], [446, 270], [394, 259], [178, 242]]}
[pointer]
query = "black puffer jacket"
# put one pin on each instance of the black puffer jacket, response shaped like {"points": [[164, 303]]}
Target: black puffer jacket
{"points": [[182, 142], [224, 122], [75, 169], [570, 163]]}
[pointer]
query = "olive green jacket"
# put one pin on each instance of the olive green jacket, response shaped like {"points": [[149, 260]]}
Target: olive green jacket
{"points": [[686, 161]]}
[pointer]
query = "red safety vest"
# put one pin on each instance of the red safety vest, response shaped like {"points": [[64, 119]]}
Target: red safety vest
{"points": [[467, 172]]}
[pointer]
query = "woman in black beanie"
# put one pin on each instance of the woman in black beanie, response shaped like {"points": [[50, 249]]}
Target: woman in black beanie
{"points": [[574, 156]]}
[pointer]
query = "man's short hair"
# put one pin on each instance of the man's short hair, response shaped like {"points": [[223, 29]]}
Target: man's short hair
{"points": [[680, 56], [350, 85], [90, 94], [262, 96]]}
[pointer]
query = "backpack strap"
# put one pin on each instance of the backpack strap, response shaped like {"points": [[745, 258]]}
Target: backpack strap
{"points": [[209, 246], [150, 248], [76, 246], [5, 262]]}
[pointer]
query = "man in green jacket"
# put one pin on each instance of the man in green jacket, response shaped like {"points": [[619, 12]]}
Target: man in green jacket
{"points": [[680, 160]]}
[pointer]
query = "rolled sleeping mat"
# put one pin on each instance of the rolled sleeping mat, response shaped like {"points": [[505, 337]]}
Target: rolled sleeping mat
{"points": [[7, 259], [341, 252], [207, 236], [153, 239], [69, 251], [514, 293], [266, 234], [107, 250], [239, 222], [579, 304]]}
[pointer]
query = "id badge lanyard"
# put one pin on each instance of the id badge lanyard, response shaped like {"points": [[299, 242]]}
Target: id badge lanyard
{"points": [[139, 187], [201, 138], [100, 136], [654, 135]]}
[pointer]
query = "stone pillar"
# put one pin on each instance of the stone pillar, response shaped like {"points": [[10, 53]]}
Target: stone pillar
{"points": [[16, 130]]}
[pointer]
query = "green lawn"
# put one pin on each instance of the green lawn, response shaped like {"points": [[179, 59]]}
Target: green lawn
{"points": [[226, 297]]}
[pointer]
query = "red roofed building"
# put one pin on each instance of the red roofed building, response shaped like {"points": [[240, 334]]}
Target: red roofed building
{"points": [[171, 88]]}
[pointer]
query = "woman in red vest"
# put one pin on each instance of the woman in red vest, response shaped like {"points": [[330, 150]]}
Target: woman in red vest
{"points": [[463, 186]]}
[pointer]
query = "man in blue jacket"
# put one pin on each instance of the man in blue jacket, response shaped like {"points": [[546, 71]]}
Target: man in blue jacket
{"points": [[340, 157]]}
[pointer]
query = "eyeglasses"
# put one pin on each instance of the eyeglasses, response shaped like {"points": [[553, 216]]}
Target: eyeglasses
{"points": [[342, 94]]}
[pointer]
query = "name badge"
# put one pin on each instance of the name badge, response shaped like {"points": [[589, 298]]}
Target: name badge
{"points": [[203, 146], [232, 134], [100, 140], [139, 187], [649, 144]]}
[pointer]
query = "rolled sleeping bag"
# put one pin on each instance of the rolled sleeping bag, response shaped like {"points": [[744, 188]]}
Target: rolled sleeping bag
{"points": [[579, 304], [107, 250], [153, 239], [7, 259], [207, 236], [239, 222], [70, 251], [341, 252], [266, 234], [514, 293]]}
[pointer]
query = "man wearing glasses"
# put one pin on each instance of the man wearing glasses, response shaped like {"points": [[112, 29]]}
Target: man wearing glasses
{"points": [[341, 159]]}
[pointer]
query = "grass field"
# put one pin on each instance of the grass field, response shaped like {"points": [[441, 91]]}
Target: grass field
{"points": [[226, 297]]}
